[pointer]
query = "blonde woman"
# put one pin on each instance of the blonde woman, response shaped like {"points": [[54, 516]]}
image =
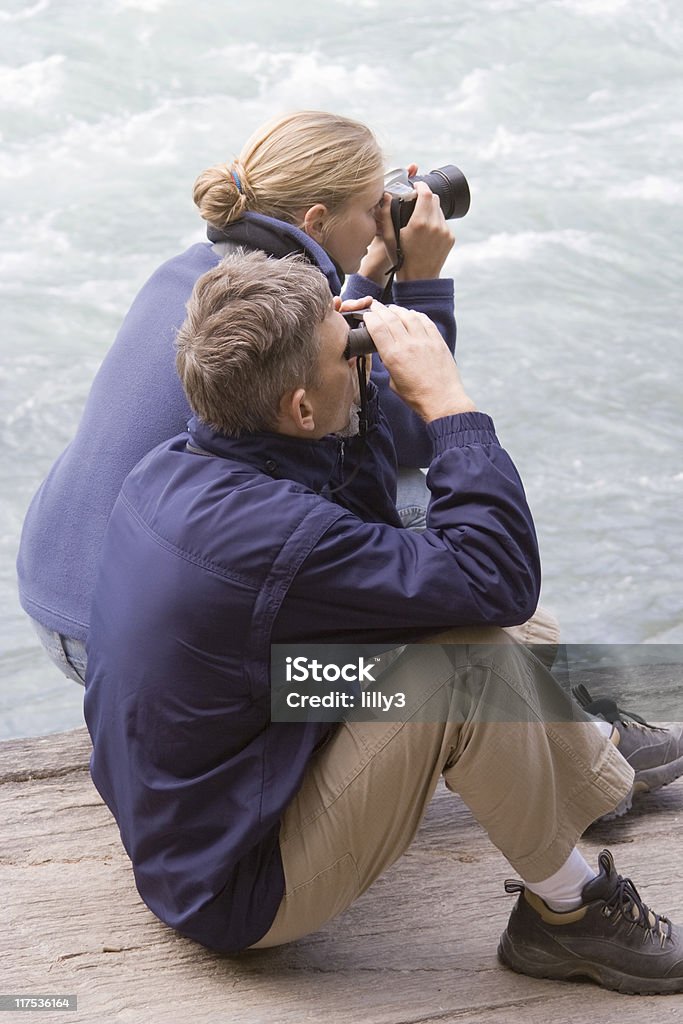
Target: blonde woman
{"points": [[311, 183]]}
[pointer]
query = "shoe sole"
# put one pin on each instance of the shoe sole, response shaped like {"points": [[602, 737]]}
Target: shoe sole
{"points": [[646, 781], [538, 963]]}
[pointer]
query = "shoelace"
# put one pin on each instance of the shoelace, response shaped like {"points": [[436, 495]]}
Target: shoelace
{"points": [[626, 902], [605, 707], [643, 726]]}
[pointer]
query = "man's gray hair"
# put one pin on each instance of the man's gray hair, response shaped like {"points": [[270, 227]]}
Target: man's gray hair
{"points": [[250, 336]]}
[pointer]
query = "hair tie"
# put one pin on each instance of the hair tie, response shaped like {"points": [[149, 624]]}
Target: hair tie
{"points": [[238, 183]]}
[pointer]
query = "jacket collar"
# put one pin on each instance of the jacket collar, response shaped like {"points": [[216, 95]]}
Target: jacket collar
{"points": [[311, 463], [277, 238]]}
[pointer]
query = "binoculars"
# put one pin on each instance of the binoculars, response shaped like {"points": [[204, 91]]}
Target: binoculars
{"points": [[359, 342]]}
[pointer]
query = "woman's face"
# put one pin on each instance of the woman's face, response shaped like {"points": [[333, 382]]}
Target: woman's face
{"points": [[352, 229]]}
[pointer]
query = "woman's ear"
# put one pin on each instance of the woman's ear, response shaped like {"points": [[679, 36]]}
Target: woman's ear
{"points": [[314, 222]]}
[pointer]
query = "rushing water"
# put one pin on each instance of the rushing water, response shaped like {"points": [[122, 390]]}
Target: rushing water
{"points": [[567, 117]]}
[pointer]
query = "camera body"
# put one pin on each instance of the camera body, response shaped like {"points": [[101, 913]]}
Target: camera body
{"points": [[447, 182]]}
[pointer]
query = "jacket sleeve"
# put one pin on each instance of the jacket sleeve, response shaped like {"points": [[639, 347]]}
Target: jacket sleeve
{"points": [[435, 298], [477, 563]]}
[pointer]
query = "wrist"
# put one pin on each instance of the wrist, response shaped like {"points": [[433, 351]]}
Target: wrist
{"points": [[375, 266], [447, 406], [408, 272]]}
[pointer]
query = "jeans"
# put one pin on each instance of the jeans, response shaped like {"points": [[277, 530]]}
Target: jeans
{"points": [[66, 653], [412, 499]]}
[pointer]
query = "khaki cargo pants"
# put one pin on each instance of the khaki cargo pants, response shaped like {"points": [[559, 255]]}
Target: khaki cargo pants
{"points": [[482, 711]]}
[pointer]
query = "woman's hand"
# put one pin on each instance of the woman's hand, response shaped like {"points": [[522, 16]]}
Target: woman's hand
{"points": [[426, 240], [377, 261], [381, 254]]}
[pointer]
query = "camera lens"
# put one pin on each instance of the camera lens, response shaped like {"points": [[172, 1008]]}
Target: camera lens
{"points": [[450, 185]]}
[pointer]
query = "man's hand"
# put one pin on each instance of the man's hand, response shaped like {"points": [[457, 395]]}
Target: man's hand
{"points": [[352, 305], [422, 370]]}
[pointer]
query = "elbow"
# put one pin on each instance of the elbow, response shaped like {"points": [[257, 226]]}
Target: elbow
{"points": [[519, 597], [523, 610], [507, 594]]}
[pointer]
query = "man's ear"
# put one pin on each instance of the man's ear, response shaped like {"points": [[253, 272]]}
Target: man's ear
{"points": [[296, 414], [314, 222]]}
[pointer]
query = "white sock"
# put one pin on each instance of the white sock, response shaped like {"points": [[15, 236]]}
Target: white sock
{"points": [[562, 891], [604, 727]]}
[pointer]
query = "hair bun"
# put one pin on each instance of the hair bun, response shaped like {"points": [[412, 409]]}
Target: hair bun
{"points": [[219, 194]]}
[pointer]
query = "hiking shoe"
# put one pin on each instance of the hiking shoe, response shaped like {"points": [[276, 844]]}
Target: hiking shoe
{"points": [[613, 938], [655, 752]]}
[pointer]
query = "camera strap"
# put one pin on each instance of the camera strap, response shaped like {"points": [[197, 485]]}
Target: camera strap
{"points": [[391, 273], [396, 222]]}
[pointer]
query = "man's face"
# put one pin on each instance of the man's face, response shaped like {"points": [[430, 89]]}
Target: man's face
{"points": [[337, 394]]}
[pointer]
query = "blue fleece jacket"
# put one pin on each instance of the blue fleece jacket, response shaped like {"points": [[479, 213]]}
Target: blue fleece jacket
{"points": [[136, 401]]}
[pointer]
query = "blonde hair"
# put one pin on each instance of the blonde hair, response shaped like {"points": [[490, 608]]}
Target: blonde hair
{"points": [[250, 336], [288, 165]]}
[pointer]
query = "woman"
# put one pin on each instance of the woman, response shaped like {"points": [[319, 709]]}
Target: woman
{"points": [[310, 182]]}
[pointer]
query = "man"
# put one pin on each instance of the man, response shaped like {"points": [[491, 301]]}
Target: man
{"points": [[267, 524]]}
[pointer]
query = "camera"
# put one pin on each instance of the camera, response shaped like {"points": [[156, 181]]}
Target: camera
{"points": [[359, 342], [450, 185], [447, 182]]}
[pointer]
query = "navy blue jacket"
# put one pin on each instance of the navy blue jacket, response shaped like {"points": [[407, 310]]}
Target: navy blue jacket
{"points": [[209, 560]]}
